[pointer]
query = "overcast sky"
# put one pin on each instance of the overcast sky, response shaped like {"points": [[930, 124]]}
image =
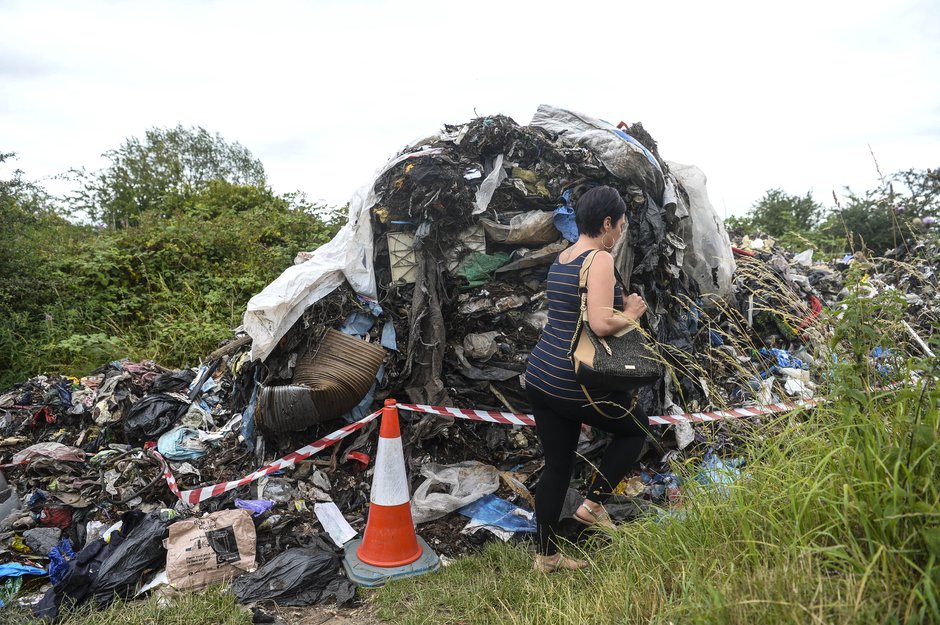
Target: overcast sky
{"points": [[759, 95]]}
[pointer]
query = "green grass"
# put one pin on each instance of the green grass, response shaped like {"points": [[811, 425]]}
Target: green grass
{"points": [[831, 523], [215, 606]]}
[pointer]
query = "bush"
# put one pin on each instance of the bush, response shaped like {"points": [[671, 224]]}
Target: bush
{"points": [[168, 289]]}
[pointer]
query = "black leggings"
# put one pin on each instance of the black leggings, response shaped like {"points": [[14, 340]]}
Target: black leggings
{"points": [[558, 425]]}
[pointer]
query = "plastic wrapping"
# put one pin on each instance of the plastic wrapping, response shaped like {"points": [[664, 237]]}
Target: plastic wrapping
{"points": [[295, 577], [489, 185], [153, 415], [448, 488], [620, 153], [348, 256], [708, 257]]}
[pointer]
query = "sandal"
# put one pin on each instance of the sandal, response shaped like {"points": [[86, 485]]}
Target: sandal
{"points": [[557, 562], [596, 517]]}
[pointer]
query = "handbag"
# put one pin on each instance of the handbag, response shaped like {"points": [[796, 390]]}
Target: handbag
{"points": [[619, 362]]}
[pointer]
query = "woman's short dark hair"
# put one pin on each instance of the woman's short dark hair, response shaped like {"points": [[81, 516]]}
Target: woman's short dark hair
{"points": [[595, 206]]}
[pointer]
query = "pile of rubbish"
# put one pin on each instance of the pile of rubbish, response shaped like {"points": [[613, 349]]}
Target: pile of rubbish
{"points": [[433, 293]]}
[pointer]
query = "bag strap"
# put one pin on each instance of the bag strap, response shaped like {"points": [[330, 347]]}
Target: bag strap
{"points": [[585, 268]]}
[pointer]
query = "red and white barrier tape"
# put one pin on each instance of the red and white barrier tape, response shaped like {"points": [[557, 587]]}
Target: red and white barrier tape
{"points": [[518, 418], [198, 495]]}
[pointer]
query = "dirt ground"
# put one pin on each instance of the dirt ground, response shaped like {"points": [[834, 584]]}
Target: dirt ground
{"points": [[324, 615]]}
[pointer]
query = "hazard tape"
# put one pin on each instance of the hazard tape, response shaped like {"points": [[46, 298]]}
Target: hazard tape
{"points": [[518, 418], [198, 495]]}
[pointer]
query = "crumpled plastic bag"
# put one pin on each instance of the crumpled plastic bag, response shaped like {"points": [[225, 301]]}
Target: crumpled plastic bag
{"points": [[449, 487], [153, 415], [51, 450], [141, 550], [185, 443], [296, 577], [708, 258]]}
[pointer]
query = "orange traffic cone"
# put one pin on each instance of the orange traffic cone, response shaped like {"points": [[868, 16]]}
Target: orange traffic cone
{"points": [[389, 546]]}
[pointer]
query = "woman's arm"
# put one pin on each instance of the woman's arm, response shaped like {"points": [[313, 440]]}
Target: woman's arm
{"points": [[602, 317]]}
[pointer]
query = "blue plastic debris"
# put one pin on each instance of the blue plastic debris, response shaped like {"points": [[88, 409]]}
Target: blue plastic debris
{"points": [[15, 569], [389, 337], [256, 506], [494, 511], [718, 472], [358, 323], [182, 443], [564, 218], [59, 557], [783, 357]]}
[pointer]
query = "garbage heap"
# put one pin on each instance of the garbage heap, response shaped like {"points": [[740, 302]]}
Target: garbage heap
{"points": [[433, 293], [464, 226]]}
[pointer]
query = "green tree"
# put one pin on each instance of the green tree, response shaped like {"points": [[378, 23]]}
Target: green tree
{"points": [[883, 218], [161, 171], [791, 219]]}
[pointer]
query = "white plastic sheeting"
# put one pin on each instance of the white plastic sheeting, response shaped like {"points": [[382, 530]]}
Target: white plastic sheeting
{"points": [[708, 258], [622, 155], [272, 312]]}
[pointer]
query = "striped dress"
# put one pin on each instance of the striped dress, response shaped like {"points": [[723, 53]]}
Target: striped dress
{"points": [[549, 368]]}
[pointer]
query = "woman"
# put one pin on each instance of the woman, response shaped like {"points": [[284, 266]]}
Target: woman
{"points": [[560, 404]]}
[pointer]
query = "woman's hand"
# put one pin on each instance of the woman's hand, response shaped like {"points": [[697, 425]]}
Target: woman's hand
{"points": [[634, 306]]}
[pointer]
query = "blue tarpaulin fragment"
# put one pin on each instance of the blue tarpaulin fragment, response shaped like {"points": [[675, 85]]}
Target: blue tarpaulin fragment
{"points": [[389, 337], [358, 323], [564, 219], [14, 569], [494, 511]]}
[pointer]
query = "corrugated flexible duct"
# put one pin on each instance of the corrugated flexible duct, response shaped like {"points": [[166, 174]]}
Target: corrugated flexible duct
{"points": [[328, 382]]}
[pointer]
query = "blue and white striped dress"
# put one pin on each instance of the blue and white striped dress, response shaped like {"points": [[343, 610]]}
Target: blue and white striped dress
{"points": [[549, 368]]}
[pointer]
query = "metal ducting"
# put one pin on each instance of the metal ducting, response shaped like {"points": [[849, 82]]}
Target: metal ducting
{"points": [[328, 382]]}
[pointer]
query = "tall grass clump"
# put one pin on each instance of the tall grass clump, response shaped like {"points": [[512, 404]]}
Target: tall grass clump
{"points": [[834, 518]]}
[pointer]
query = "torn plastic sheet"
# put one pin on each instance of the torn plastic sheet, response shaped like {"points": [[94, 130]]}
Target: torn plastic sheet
{"points": [[358, 323], [529, 228], [347, 256], [449, 487], [489, 185], [708, 258], [564, 220], [51, 450], [621, 154], [389, 338], [494, 513]]}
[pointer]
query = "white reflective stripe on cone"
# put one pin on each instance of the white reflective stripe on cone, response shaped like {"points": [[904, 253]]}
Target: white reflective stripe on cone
{"points": [[390, 484]]}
